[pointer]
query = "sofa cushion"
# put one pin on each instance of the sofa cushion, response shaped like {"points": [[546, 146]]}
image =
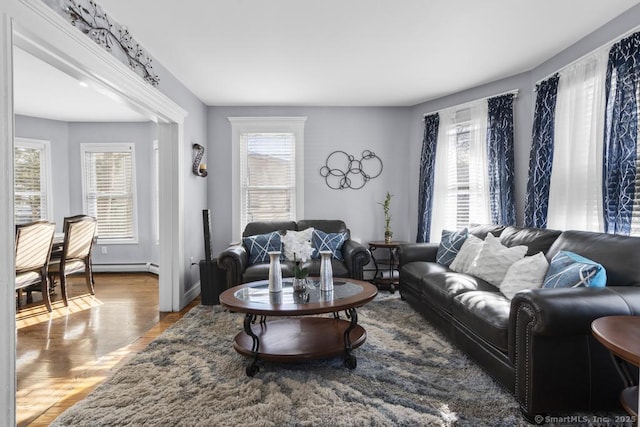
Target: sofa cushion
{"points": [[527, 273], [260, 245], [313, 267], [264, 227], [494, 259], [450, 245], [619, 255], [441, 288], [331, 242], [536, 239], [326, 225], [481, 231], [468, 252], [486, 314], [411, 274], [570, 270]]}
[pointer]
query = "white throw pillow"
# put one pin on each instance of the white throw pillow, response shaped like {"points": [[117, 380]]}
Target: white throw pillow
{"points": [[297, 238], [527, 273], [468, 252], [494, 259]]}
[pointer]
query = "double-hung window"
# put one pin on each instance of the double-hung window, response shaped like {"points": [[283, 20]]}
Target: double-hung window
{"points": [[32, 180], [461, 195], [268, 170], [108, 188]]}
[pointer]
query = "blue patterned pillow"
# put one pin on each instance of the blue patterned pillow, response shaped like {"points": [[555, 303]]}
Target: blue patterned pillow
{"points": [[333, 242], [450, 245], [569, 270], [260, 245]]}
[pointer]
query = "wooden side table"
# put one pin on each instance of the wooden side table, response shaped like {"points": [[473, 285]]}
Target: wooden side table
{"points": [[388, 265], [621, 336]]}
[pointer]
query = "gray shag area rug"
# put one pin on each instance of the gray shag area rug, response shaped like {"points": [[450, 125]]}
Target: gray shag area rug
{"points": [[407, 375]]}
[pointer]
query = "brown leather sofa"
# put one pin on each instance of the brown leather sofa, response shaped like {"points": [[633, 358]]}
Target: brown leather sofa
{"points": [[539, 345], [235, 259]]}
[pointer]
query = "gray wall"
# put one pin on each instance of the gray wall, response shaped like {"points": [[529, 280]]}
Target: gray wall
{"points": [[385, 131], [65, 141], [57, 133], [142, 136]]}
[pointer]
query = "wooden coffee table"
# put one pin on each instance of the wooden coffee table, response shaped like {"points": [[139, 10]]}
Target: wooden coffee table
{"points": [[295, 338], [621, 336]]}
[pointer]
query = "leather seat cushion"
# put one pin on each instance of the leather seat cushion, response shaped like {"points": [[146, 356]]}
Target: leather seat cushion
{"points": [[440, 288], [411, 274], [486, 314]]}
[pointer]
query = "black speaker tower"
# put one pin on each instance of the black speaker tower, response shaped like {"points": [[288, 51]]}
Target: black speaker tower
{"points": [[211, 276]]}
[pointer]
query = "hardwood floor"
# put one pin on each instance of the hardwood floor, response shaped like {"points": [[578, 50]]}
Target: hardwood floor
{"points": [[64, 355]]}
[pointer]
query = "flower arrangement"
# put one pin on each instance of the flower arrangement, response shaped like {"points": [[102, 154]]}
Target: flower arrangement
{"points": [[302, 251]]}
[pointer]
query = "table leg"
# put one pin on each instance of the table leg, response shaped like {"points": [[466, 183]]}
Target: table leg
{"points": [[253, 367], [349, 359]]}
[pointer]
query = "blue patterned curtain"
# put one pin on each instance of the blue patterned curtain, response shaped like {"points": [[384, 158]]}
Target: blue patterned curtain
{"points": [[621, 135], [427, 165], [541, 157], [500, 160]]}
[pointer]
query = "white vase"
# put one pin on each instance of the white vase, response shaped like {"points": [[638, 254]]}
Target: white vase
{"points": [[275, 272], [326, 271]]}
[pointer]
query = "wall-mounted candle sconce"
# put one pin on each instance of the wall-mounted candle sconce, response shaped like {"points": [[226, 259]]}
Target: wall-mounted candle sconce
{"points": [[198, 167]]}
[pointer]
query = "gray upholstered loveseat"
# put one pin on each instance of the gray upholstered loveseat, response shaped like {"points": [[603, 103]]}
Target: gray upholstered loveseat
{"points": [[538, 345], [235, 259]]}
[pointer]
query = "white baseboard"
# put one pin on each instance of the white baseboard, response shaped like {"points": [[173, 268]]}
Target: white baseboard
{"points": [[142, 267]]}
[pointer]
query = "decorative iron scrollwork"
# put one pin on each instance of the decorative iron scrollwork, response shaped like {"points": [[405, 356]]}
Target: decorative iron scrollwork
{"points": [[89, 18], [343, 170]]}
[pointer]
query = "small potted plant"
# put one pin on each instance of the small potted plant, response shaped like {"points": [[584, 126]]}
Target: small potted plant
{"points": [[386, 206]]}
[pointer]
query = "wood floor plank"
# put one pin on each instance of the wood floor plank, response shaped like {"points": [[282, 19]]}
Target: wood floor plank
{"points": [[62, 356]]}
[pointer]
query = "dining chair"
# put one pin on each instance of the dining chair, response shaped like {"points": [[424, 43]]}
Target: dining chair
{"points": [[33, 249], [79, 232]]}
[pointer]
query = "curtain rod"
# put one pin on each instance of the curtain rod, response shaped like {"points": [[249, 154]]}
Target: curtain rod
{"points": [[591, 52], [514, 92]]}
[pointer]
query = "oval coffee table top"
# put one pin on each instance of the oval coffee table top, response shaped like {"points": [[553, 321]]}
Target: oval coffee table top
{"points": [[255, 298]]}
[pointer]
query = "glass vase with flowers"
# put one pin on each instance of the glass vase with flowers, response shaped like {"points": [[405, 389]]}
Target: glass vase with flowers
{"points": [[302, 251]]}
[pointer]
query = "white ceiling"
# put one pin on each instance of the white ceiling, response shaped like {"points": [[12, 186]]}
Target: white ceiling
{"points": [[341, 53], [41, 90]]}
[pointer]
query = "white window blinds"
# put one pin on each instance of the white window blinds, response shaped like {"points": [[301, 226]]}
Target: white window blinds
{"points": [[109, 190], [268, 176], [32, 198]]}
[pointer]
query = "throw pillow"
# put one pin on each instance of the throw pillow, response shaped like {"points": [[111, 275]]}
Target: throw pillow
{"points": [[328, 242], [468, 252], [494, 259], [260, 245], [570, 270], [293, 239], [527, 273], [450, 245]]}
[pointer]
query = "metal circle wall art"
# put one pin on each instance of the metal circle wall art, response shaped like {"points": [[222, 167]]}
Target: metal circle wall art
{"points": [[343, 170]]}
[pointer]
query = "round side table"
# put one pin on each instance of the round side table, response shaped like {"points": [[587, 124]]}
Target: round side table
{"points": [[621, 336], [388, 266]]}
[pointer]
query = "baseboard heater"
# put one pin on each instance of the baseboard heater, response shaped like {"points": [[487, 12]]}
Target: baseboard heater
{"points": [[139, 267]]}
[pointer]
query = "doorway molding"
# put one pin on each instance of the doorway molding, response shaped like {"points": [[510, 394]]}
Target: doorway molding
{"points": [[33, 26]]}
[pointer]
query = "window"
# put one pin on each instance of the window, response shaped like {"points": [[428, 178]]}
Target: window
{"points": [[268, 170], [461, 170], [32, 181], [108, 187]]}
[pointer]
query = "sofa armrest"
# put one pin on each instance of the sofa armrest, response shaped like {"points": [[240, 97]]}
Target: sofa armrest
{"points": [[234, 260], [411, 252], [559, 364], [356, 256]]}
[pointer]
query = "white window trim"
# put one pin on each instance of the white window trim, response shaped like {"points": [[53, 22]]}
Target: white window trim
{"points": [[105, 148], [240, 125], [48, 177], [156, 191]]}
